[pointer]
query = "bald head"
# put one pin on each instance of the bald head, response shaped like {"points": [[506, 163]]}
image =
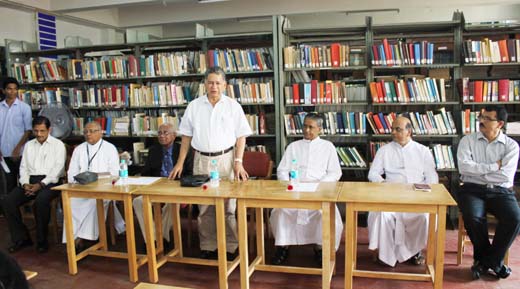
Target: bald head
{"points": [[402, 130]]}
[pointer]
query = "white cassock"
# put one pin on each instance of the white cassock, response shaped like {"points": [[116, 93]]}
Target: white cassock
{"points": [[104, 158], [317, 162], [399, 236]]}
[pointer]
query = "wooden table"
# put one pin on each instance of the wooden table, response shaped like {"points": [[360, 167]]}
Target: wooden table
{"points": [[168, 191], [391, 197], [274, 194], [101, 190]]}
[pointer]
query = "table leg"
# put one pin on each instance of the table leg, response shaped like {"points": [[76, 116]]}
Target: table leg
{"points": [[242, 243], [430, 246], [130, 239], [69, 233], [150, 247], [221, 243], [157, 216], [260, 249], [177, 232], [326, 245], [439, 250], [354, 237], [333, 236], [101, 224], [349, 251]]}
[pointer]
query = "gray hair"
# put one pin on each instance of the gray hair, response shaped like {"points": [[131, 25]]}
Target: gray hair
{"points": [[169, 126], [316, 117], [215, 70], [95, 123]]}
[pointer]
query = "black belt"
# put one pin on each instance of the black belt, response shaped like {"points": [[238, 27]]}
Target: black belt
{"points": [[219, 153], [489, 187]]}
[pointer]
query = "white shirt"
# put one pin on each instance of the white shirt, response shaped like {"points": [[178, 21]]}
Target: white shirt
{"points": [[412, 163], [43, 159], [317, 160], [477, 159], [214, 128], [103, 155]]}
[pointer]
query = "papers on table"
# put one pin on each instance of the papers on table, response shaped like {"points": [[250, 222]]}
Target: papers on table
{"points": [[140, 181], [305, 187]]}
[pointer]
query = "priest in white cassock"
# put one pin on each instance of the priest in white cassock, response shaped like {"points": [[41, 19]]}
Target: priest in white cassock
{"points": [[95, 155], [317, 162], [400, 236]]}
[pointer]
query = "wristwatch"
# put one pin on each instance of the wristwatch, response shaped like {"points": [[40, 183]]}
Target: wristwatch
{"points": [[238, 160]]}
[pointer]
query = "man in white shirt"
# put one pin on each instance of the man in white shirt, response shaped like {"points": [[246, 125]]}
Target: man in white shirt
{"points": [[42, 165], [400, 236], [216, 127], [317, 161], [99, 156]]}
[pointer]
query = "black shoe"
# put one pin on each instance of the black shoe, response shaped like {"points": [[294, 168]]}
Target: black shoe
{"points": [[280, 256], [42, 247], [205, 254], [478, 269], [20, 245], [80, 245], [318, 256], [231, 256], [503, 273], [417, 259]]}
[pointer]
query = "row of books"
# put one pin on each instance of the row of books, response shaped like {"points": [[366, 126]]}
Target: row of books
{"points": [[491, 51], [318, 55], [256, 148], [342, 122], [324, 92], [251, 90], [410, 89], [443, 156], [502, 90], [470, 122], [350, 157], [257, 122], [402, 53], [422, 123], [159, 64]]}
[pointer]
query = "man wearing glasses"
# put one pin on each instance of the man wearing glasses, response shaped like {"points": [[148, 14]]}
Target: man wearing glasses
{"points": [[487, 162], [161, 158], [400, 236], [98, 156]]}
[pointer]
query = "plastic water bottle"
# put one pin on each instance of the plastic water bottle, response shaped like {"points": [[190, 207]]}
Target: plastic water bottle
{"points": [[214, 177], [294, 175], [123, 173]]}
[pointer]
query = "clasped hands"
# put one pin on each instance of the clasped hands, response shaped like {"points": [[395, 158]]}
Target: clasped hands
{"points": [[30, 190]]}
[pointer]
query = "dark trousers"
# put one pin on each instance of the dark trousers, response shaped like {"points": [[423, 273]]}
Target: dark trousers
{"points": [[474, 201], [11, 178], [42, 213]]}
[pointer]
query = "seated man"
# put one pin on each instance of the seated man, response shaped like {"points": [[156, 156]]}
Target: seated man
{"points": [[42, 165], [94, 155], [317, 162], [400, 236], [488, 161], [161, 158]]}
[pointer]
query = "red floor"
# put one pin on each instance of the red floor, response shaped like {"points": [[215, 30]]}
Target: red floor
{"points": [[98, 272]]}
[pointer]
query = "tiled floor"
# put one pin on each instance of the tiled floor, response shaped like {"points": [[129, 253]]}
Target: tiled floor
{"points": [[98, 272]]}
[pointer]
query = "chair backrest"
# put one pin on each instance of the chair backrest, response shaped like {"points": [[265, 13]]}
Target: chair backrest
{"points": [[258, 164]]}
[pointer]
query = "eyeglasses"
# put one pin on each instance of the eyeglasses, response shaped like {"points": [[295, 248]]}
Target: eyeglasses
{"points": [[398, 129], [91, 131], [486, 118], [164, 133]]}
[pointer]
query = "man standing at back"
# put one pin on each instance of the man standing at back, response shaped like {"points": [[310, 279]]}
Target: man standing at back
{"points": [[216, 127], [400, 236], [161, 158], [15, 129], [98, 156]]}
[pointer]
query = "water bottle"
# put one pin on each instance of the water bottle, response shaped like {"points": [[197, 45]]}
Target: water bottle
{"points": [[214, 178], [123, 173], [294, 175]]}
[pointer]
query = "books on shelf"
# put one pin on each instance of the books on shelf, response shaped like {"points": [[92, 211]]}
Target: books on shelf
{"points": [[251, 90], [488, 51], [374, 146], [332, 55], [256, 148], [324, 92], [409, 89], [350, 157], [500, 90], [342, 123], [426, 123], [397, 53], [241, 60], [443, 156], [469, 119], [33, 71], [48, 96], [257, 122], [513, 127], [147, 125]]}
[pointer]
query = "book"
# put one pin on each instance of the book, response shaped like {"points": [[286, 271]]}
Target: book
{"points": [[422, 187]]}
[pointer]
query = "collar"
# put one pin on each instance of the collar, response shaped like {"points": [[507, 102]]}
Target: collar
{"points": [[48, 140], [168, 149], [311, 141], [223, 98], [96, 144], [403, 147], [500, 138], [15, 102]]}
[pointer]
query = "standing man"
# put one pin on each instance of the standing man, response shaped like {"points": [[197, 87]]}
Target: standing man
{"points": [[98, 156], [317, 161], [216, 127], [488, 161], [161, 158], [400, 236], [43, 164], [15, 129]]}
